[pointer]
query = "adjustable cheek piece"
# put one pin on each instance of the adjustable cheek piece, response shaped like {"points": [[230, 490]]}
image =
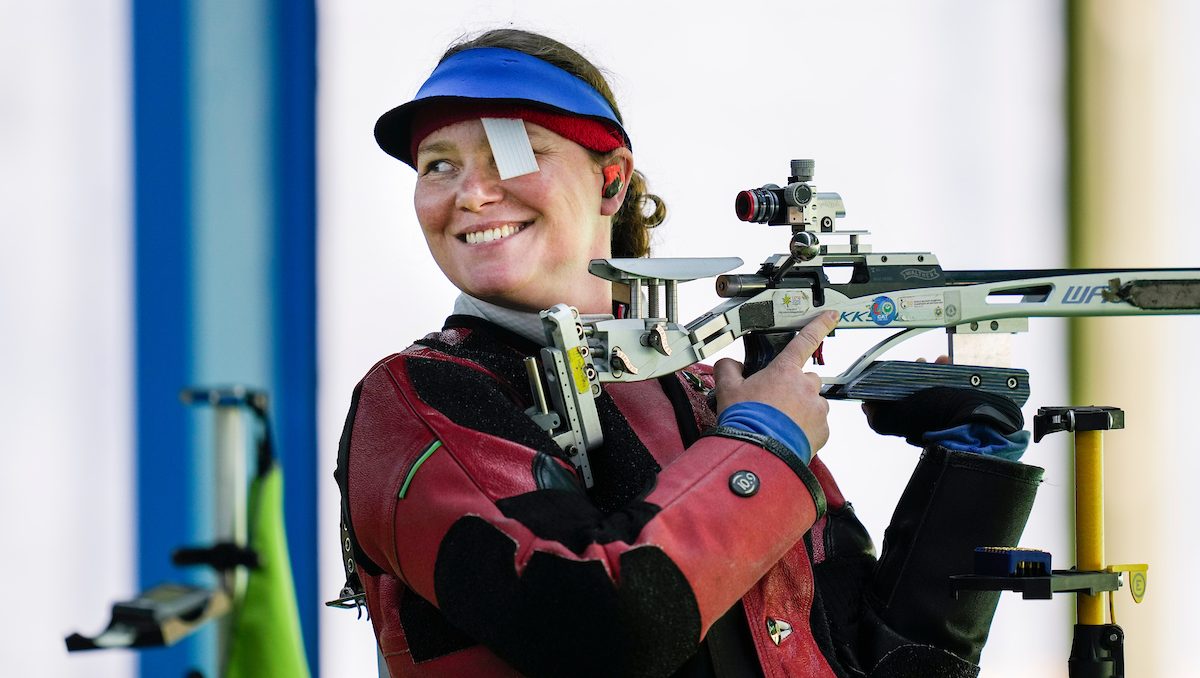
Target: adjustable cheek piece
{"points": [[612, 181]]}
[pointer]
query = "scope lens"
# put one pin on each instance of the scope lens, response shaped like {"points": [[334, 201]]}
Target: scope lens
{"points": [[757, 205], [745, 206]]}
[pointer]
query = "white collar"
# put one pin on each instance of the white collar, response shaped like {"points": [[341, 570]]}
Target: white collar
{"points": [[523, 323]]}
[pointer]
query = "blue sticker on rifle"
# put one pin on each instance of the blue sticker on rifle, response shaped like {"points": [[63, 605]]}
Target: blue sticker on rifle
{"points": [[883, 310]]}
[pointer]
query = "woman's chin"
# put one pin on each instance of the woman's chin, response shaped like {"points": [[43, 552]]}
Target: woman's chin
{"points": [[502, 293]]}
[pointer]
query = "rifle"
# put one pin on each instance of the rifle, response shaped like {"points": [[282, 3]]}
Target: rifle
{"points": [[904, 291]]}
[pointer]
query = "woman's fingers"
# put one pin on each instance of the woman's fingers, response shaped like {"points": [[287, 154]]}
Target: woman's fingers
{"points": [[728, 372], [806, 341]]}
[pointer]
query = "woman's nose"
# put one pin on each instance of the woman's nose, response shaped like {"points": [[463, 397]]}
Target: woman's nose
{"points": [[480, 186]]}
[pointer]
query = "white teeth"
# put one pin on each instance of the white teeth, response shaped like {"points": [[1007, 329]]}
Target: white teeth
{"points": [[491, 234]]}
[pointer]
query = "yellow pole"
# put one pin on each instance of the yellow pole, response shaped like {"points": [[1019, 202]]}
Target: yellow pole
{"points": [[1089, 520]]}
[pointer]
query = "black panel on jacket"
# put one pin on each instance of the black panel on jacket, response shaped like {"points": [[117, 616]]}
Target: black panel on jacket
{"points": [[563, 617], [490, 345], [841, 578], [623, 469], [469, 398], [822, 633], [572, 520], [428, 633]]}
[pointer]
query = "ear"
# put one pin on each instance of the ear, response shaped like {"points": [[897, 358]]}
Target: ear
{"points": [[622, 159]]}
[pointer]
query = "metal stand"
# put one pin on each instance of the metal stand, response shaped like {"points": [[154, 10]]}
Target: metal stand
{"points": [[230, 479], [167, 613], [1097, 650]]}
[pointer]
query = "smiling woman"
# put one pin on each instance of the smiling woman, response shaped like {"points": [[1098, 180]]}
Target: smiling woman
{"points": [[519, 242], [710, 541]]}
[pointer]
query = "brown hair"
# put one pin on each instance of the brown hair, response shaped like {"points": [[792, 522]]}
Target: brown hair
{"points": [[641, 210]]}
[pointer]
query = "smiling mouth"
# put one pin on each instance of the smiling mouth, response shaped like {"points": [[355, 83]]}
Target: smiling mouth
{"points": [[492, 234]]}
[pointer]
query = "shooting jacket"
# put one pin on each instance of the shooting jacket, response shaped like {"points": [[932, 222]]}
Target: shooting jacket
{"points": [[481, 553]]}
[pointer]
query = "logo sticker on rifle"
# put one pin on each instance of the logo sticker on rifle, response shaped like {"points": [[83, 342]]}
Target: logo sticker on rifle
{"points": [[1085, 294], [927, 307], [794, 302], [883, 310], [578, 371]]}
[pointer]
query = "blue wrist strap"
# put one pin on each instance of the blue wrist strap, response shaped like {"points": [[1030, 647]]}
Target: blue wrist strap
{"points": [[982, 439], [765, 420]]}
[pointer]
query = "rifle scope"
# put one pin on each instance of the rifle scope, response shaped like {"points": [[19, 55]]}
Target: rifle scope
{"points": [[797, 203]]}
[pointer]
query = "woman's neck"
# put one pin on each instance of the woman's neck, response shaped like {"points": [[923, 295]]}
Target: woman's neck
{"points": [[525, 323]]}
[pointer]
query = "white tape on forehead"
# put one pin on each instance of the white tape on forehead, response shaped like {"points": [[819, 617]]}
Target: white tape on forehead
{"points": [[510, 146]]}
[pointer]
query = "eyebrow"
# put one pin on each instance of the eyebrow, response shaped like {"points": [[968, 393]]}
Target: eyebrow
{"points": [[435, 147], [538, 132]]}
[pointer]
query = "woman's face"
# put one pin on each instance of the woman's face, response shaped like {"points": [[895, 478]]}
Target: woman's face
{"points": [[524, 242]]}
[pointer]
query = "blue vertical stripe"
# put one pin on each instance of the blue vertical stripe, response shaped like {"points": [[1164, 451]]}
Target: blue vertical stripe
{"points": [[294, 276], [224, 192], [162, 284]]}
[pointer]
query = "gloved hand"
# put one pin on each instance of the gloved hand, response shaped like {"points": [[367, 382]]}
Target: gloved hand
{"points": [[940, 408]]}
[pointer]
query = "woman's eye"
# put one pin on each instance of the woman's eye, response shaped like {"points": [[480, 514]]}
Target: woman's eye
{"points": [[437, 167]]}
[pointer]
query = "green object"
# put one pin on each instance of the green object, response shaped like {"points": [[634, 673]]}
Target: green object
{"points": [[433, 447], [266, 639]]}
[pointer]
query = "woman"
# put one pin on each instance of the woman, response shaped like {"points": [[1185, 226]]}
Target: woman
{"points": [[481, 552]]}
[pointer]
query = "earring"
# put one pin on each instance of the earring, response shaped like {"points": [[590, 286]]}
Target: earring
{"points": [[612, 181]]}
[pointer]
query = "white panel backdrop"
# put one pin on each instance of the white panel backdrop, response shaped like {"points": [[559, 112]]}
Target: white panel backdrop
{"points": [[940, 128], [66, 520]]}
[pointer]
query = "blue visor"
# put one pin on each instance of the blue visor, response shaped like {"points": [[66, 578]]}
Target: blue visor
{"points": [[496, 75]]}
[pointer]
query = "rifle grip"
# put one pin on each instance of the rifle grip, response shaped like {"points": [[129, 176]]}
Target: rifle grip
{"points": [[889, 380], [762, 347]]}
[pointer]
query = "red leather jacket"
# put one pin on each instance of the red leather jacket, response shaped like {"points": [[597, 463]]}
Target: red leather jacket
{"points": [[480, 553]]}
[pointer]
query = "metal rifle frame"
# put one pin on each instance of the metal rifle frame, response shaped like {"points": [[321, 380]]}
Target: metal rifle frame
{"points": [[908, 292], [904, 291]]}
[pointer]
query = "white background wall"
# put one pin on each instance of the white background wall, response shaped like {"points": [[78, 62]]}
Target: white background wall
{"points": [[940, 132], [1176, 513], [66, 504]]}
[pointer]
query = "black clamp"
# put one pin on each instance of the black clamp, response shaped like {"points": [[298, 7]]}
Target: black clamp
{"points": [[157, 617], [222, 557], [1097, 651], [1055, 419]]}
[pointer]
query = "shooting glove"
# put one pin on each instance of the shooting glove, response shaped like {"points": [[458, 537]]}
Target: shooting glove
{"points": [[941, 408]]}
